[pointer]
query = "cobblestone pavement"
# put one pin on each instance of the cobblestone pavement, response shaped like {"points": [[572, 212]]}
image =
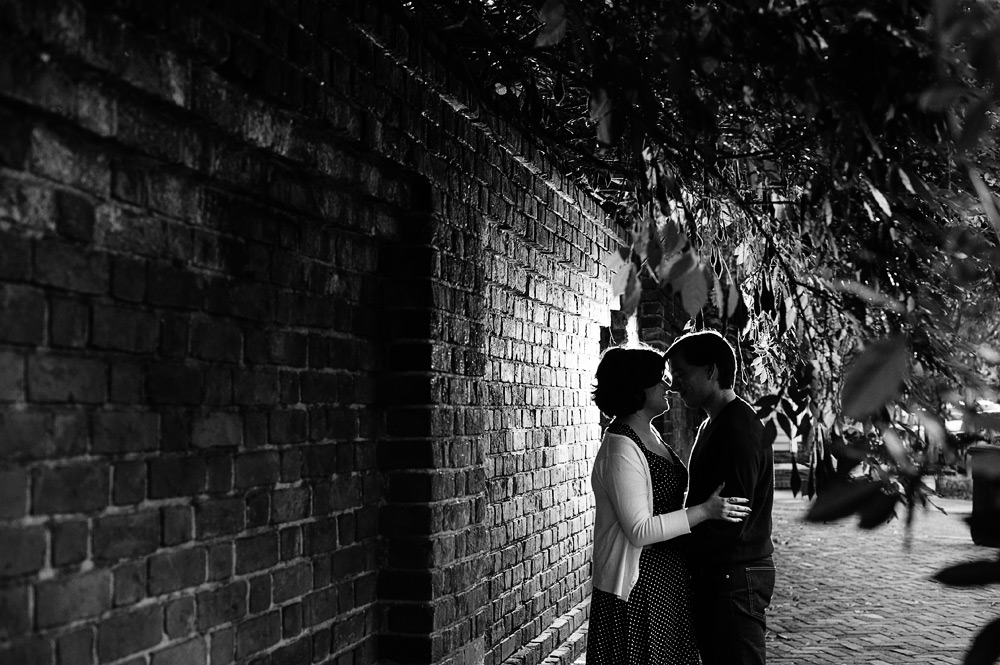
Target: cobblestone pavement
{"points": [[847, 596]]}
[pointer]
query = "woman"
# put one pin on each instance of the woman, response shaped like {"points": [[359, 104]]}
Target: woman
{"points": [[640, 611]]}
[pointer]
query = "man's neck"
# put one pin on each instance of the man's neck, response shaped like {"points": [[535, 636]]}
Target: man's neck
{"points": [[718, 402]]}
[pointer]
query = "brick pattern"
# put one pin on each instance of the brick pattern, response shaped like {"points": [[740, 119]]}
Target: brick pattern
{"points": [[295, 350], [189, 235]]}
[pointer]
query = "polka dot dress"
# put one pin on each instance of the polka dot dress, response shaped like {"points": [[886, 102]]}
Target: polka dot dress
{"points": [[654, 627]]}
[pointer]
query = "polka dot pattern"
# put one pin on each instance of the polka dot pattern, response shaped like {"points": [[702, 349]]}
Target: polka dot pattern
{"points": [[655, 626]]}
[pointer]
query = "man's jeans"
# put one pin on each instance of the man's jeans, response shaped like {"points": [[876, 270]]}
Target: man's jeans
{"points": [[729, 606]]}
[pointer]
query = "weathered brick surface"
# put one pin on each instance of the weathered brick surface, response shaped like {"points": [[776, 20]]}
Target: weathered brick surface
{"points": [[295, 344]]}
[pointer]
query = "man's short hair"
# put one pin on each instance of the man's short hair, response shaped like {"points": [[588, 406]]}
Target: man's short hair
{"points": [[705, 348]]}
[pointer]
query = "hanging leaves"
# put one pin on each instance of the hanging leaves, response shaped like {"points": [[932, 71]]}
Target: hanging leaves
{"points": [[553, 17], [795, 481], [633, 292], [874, 377], [842, 499], [694, 292], [877, 510]]}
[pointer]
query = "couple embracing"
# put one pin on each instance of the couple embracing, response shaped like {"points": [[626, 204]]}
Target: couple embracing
{"points": [[682, 568]]}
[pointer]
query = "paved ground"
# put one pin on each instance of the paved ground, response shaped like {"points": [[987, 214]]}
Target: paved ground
{"points": [[850, 596], [847, 597]]}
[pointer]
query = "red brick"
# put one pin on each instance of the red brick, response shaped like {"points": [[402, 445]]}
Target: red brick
{"points": [[71, 268], [217, 430], [66, 379], [13, 494], [224, 605], [254, 469], [176, 476], [180, 618], [169, 383], [288, 505], [30, 651], [74, 216], [260, 593], [23, 320], [223, 647], [128, 279], [15, 254], [129, 632], [75, 648], [219, 517], [12, 373], [69, 323], [176, 570], [130, 583], [319, 606], [258, 504], [129, 482], [257, 634], [292, 582], [178, 525], [216, 340], [15, 139], [220, 473], [120, 329], [15, 612], [70, 161], [256, 553], [125, 431], [288, 426], [75, 488], [69, 542], [220, 561], [127, 383], [253, 388], [126, 536], [60, 601], [191, 652]]}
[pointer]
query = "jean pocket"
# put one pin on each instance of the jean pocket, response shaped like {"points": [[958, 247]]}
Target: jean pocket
{"points": [[760, 588]]}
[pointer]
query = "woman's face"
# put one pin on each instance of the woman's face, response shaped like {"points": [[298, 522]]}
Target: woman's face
{"points": [[657, 400]]}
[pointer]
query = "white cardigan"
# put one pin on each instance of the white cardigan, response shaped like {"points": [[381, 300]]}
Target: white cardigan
{"points": [[624, 520]]}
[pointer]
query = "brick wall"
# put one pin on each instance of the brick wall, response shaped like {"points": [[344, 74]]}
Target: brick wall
{"points": [[295, 346]]}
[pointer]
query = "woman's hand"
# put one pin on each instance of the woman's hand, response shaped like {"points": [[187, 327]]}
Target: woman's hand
{"points": [[726, 508]]}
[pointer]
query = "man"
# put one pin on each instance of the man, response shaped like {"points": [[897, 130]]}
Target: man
{"points": [[732, 572]]}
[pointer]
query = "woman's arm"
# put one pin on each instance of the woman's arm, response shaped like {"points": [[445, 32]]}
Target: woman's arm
{"points": [[624, 478]]}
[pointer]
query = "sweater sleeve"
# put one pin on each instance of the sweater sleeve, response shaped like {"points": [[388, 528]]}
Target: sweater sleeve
{"points": [[624, 480]]}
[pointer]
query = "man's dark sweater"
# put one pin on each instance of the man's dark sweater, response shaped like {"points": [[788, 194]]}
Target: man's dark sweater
{"points": [[730, 449]]}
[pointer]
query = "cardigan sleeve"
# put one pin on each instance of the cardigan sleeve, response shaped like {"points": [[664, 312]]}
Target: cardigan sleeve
{"points": [[625, 480]]}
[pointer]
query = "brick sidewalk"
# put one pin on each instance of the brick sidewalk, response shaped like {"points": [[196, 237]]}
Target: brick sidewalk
{"points": [[847, 597], [850, 596]]}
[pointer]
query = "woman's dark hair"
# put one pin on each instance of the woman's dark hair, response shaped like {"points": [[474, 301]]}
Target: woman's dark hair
{"points": [[622, 378], [705, 348]]}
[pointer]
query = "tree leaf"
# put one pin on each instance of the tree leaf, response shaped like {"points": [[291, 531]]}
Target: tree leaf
{"points": [[677, 268], [733, 300], [765, 405], [621, 278], [971, 573], [769, 435], [694, 292], [877, 510], [874, 377], [600, 104], [986, 646], [553, 15], [842, 499], [654, 251], [673, 240], [633, 292], [795, 482]]}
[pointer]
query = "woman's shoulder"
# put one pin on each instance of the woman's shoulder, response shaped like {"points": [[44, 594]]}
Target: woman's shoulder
{"points": [[619, 444]]}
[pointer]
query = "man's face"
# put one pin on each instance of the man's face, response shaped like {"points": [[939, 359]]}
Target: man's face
{"points": [[694, 384]]}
